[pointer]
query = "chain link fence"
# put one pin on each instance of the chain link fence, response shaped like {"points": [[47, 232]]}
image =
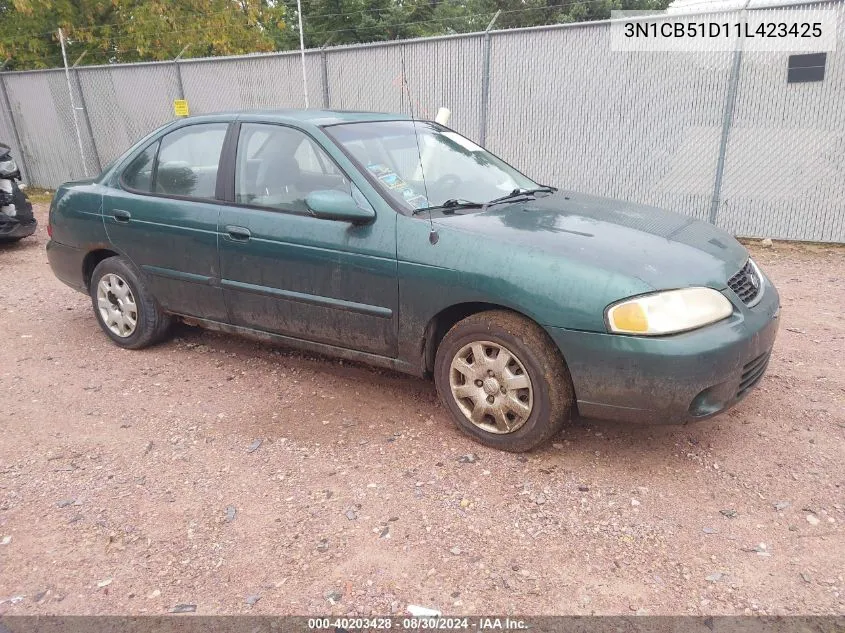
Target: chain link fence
{"points": [[719, 136]]}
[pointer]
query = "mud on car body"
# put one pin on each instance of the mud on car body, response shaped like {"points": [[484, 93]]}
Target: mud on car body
{"points": [[403, 244]]}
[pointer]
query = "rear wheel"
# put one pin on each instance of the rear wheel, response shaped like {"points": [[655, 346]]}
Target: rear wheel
{"points": [[125, 309], [504, 381]]}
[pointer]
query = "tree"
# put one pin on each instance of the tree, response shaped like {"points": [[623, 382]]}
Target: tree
{"points": [[113, 31], [134, 30]]}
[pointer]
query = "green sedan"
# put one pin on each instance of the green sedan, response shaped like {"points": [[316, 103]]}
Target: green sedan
{"points": [[403, 244]]}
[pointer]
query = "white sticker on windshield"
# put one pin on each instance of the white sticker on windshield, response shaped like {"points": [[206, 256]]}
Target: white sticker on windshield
{"points": [[463, 142]]}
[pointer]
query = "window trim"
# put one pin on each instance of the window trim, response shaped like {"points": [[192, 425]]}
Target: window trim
{"points": [[122, 182], [171, 196], [233, 150]]}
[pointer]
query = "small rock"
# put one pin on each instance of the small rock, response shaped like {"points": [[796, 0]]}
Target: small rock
{"points": [[251, 600], [710, 530], [635, 503], [148, 447], [781, 505], [766, 242], [583, 488], [333, 596], [6, 540], [323, 545], [351, 514], [469, 458], [252, 448], [806, 577], [231, 512], [385, 533], [557, 446], [714, 577], [465, 503], [154, 594], [64, 503], [456, 551], [184, 608], [762, 549], [812, 519], [104, 583], [540, 499], [730, 513]]}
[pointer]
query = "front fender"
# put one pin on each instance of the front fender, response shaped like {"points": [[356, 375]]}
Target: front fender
{"points": [[463, 268]]}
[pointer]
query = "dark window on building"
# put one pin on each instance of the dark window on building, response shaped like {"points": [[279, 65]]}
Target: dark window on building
{"points": [[803, 68]]}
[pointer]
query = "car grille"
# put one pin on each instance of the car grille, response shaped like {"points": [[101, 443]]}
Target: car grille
{"points": [[746, 283], [752, 373]]}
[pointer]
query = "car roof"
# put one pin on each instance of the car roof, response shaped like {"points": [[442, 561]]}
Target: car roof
{"points": [[303, 117]]}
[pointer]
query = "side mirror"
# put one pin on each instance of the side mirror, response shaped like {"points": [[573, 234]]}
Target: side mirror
{"points": [[336, 205]]}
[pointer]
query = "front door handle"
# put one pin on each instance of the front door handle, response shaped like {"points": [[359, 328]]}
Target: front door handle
{"points": [[238, 233], [121, 216]]}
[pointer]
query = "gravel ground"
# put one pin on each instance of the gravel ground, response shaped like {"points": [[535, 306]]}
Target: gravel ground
{"points": [[240, 478]]}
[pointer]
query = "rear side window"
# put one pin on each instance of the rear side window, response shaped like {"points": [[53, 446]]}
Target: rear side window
{"points": [[188, 161], [139, 174]]}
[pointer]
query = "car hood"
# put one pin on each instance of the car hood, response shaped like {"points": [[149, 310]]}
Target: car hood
{"points": [[660, 248]]}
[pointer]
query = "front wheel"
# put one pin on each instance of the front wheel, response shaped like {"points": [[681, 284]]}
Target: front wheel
{"points": [[125, 308], [503, 380]]}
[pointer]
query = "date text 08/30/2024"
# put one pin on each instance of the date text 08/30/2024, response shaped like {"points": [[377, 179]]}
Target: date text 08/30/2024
{"points": [[417, 623]]}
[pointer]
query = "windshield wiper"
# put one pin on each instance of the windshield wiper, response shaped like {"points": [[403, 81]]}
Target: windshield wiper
{"points": [[450, 206], [517, 193]]}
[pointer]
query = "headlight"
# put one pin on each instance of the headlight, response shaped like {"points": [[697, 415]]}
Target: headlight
{"points": [[8, 167], [668, 312]]}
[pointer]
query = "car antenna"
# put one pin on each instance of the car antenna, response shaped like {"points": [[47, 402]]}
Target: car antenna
{"points": [[433, 237]]}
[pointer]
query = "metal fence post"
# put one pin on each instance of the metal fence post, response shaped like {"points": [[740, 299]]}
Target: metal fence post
{"points": [[324, 72], [86, 118], [19, 159], [179, 83], [73, 106], [727, 121], [324, 75], [485, 82]]}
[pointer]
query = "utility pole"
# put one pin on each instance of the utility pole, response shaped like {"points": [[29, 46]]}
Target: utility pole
{"points": [[73, 105]]}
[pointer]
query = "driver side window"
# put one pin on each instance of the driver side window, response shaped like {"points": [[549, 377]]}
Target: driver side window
{"points": [[277, 167]]}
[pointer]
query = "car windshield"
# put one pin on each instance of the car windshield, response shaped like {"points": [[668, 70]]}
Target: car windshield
{"points": [[420, 164]]}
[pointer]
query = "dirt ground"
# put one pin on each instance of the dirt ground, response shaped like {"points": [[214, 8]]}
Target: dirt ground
{"points": [[240, 478]]}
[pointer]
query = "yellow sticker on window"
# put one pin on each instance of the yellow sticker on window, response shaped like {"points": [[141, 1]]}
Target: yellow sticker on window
{"points": [[180, 107]]}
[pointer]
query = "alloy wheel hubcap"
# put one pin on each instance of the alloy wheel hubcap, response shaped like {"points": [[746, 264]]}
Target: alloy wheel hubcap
{"points": [[117, 306], [491, 387]]}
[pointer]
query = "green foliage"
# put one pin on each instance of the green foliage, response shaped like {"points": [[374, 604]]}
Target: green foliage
{"points": [[115, 31]]}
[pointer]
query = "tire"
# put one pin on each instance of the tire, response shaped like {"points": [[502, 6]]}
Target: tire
{"points": [[151, 323], [549, 395]]}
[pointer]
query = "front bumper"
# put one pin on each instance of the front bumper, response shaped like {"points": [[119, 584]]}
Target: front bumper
{"points": [[672, 379], [13, 229]]}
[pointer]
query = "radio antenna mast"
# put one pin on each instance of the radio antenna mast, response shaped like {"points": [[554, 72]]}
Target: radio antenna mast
{"points": [[433, 237]]}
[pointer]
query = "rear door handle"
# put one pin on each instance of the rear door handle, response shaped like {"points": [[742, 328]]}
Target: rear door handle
{"points": [[121, 216], [238, 233]]}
